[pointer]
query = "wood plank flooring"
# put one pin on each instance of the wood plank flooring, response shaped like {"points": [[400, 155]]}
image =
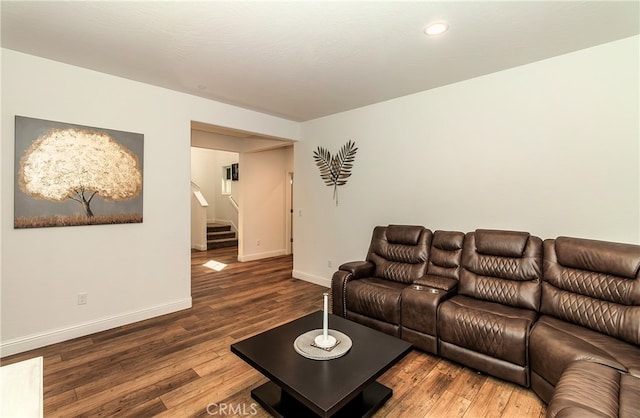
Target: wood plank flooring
{"points": [[178, 365]]}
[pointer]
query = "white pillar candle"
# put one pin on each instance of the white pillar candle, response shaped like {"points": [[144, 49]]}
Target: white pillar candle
{"points": [[325, 317], [325, 340]]}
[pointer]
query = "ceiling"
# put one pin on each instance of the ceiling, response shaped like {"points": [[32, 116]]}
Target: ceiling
{"points": [[307, 59]]}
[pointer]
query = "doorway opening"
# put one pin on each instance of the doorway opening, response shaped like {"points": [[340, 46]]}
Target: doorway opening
{"points": [[214, 224], [248, 184]]}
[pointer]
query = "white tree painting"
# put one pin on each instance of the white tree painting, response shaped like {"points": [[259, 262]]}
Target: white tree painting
{"points": [[81, 165]]}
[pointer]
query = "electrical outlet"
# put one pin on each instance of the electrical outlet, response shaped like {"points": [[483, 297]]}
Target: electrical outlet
{"points": [[82, 298], [329, 263], [258, 243]]}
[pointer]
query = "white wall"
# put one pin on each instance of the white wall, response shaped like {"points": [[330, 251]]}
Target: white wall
{"points": [[130, 272], [551, 148], [263, 194], [203, 173]]}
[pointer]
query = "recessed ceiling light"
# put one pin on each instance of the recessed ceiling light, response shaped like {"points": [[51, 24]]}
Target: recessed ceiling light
{"points": [[436, 28]]}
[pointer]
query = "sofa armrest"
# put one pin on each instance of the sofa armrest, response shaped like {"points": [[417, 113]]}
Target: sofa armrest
{"points": [[358, 269], [437, 282], [347, 272]]}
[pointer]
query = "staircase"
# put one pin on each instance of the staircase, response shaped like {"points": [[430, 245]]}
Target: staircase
{"points": [[220, 236]]}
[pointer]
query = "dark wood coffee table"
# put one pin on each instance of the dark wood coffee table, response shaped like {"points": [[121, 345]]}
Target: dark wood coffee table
{"points": [[342, 387]]}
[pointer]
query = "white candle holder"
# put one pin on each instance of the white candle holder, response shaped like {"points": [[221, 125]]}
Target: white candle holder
{"points": [[305, 345], [325, 341]]}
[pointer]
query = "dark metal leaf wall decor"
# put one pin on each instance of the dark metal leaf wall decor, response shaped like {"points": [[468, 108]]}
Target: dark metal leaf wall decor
{"points": [[336, 169]]}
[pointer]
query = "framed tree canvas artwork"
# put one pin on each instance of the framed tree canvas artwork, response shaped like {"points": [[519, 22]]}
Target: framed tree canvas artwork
{"points": [[68, 175]]}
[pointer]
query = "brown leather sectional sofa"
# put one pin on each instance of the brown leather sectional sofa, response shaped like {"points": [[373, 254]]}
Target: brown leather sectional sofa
{"points": [[560, 316]]}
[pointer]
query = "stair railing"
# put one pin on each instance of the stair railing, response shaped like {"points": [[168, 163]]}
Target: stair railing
{"points": [[234, 203], [198, 219]]}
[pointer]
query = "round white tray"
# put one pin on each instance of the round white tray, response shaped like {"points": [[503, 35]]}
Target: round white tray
{"points": [[304, 345]]}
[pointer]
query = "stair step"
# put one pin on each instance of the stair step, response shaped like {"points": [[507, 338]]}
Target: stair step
{"points": [[220, 235], [218, 228], [222, 243]]}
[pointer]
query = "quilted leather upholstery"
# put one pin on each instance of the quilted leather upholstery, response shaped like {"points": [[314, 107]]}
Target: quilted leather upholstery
{"points": [[445, 254], [502, 278], [375, 298], [616, 259], [554, 344], [598, 286], [489, 328], [501, 243], [486, 326], [589, 389], [400, 252], [591, 309]]}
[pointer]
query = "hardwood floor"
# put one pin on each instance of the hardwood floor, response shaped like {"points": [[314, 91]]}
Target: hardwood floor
{"points": [[178, 365]]}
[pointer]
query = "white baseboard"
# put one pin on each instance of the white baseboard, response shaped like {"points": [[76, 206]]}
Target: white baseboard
{"points": [[260, 256], [322, 281], [199, 247], [19, 345]]}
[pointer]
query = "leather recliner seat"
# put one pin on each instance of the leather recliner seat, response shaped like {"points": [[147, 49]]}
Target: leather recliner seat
{"points": [[590, 310], [486, 325], [591, 390], [370, 292]]}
